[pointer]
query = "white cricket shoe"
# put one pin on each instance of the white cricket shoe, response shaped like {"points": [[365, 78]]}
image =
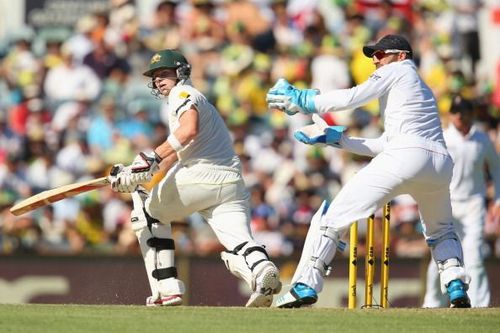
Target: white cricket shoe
{"points": [[267, 283], [172, 300]]}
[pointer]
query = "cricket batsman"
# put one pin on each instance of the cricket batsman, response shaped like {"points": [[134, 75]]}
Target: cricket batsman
{"points": [[410, 157], [204, 176]]}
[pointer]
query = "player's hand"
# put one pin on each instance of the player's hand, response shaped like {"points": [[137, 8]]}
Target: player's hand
{"points": [[287, 98], [320, 133], [141, 171]]}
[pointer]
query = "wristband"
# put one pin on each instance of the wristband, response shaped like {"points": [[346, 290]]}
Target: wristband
{"points": [[175, 143]]}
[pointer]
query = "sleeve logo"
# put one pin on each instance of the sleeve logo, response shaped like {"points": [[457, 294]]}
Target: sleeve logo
{"points": [[375, 77]]}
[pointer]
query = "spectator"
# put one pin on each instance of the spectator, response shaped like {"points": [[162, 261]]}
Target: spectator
{"points": [[71, 81]]}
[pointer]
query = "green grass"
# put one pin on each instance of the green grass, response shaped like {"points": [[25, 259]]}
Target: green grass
{"points": [[140, 319]]}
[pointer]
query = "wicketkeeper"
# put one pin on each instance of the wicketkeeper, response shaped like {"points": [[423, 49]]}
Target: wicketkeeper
{"points": [[204, 176], [410, 157]]}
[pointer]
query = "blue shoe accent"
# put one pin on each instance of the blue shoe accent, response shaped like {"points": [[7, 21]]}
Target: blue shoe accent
{"points": [[457, 291], [300, 294]]}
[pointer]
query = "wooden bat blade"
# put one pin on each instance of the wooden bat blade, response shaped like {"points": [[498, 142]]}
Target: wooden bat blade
{"points": [[50, 196]]}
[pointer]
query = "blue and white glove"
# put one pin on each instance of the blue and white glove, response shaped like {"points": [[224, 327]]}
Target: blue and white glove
{"points": [[141, 171], [287, 98], [320, 133]]}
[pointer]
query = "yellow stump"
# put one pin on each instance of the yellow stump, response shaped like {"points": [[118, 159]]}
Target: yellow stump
{"points": [[384, 260], [369, 262], [353, 261]]}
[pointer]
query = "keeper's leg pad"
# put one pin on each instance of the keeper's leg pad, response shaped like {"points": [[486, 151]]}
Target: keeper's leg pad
{"points": [[157, 248], [450, 270], [447, 252], [445, 247], [251, 263], [319, 248]]}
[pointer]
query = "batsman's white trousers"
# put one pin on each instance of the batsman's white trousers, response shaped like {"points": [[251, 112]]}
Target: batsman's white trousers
{"points": [[407, 165], [217, 193], [469, 218]]}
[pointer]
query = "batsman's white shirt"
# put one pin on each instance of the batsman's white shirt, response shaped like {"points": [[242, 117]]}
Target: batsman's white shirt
{"points": [[212, 145], [207, 178]]}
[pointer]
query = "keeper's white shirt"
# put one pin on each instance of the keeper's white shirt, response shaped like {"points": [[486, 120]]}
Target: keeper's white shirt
{"points": [[470, 153], [407, 104], [213, 145]]}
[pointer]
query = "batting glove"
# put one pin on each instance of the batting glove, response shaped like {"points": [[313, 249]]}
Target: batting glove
{"points": [[287, 98], [320, 133], [141, 171]]}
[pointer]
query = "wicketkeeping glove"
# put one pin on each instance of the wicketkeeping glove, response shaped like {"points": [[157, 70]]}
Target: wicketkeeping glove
{"points": [[291, 100], [320, 133], [139, 172]]}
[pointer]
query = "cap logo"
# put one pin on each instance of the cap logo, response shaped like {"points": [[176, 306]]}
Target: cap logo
{"points": [[156, 58]]}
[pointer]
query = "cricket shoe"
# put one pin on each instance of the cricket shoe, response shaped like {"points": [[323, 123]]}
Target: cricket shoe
{"points": [[299, 295], [268, 283], [457, 291], [172, 300]]}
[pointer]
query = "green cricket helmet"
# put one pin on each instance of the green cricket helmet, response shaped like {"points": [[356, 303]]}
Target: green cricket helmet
{"points": [[169, 59]]}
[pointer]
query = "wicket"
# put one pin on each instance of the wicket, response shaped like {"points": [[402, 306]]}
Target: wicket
{"points": [[370, 261]]}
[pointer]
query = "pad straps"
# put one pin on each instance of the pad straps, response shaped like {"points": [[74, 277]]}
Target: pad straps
{"points": [[161, 243], [165, 273], [248, 251]]}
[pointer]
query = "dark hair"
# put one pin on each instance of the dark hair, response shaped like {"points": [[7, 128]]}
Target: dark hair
{"points": [[459, 104]]}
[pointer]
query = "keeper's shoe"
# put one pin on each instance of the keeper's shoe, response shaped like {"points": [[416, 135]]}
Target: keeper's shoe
{"points": [[172, 300], [299, 295], [457, 291], [268, 283]]}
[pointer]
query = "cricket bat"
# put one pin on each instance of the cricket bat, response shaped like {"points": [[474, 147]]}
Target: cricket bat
{"points": [[62, 192]]}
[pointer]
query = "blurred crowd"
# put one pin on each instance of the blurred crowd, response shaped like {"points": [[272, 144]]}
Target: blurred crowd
{"points": [[74, 102]]}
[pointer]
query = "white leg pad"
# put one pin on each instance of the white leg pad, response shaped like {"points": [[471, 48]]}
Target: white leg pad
{"points": [[320, 246], [237, 265], [445, 247], [171, 286], [250, 262], [157, 249], [312, 234], [452, 269]]}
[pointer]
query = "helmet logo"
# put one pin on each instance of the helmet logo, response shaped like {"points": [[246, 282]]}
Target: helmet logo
{"points": [[156, 58]]}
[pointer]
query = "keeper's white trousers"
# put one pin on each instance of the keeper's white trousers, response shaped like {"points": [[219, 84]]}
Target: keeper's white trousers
{"points": [[218, 194], [407, 165], [469, 217]]}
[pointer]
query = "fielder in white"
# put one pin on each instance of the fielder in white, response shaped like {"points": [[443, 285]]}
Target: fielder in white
{"points": [[471, 150], [203, 175], [410, 157]]}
